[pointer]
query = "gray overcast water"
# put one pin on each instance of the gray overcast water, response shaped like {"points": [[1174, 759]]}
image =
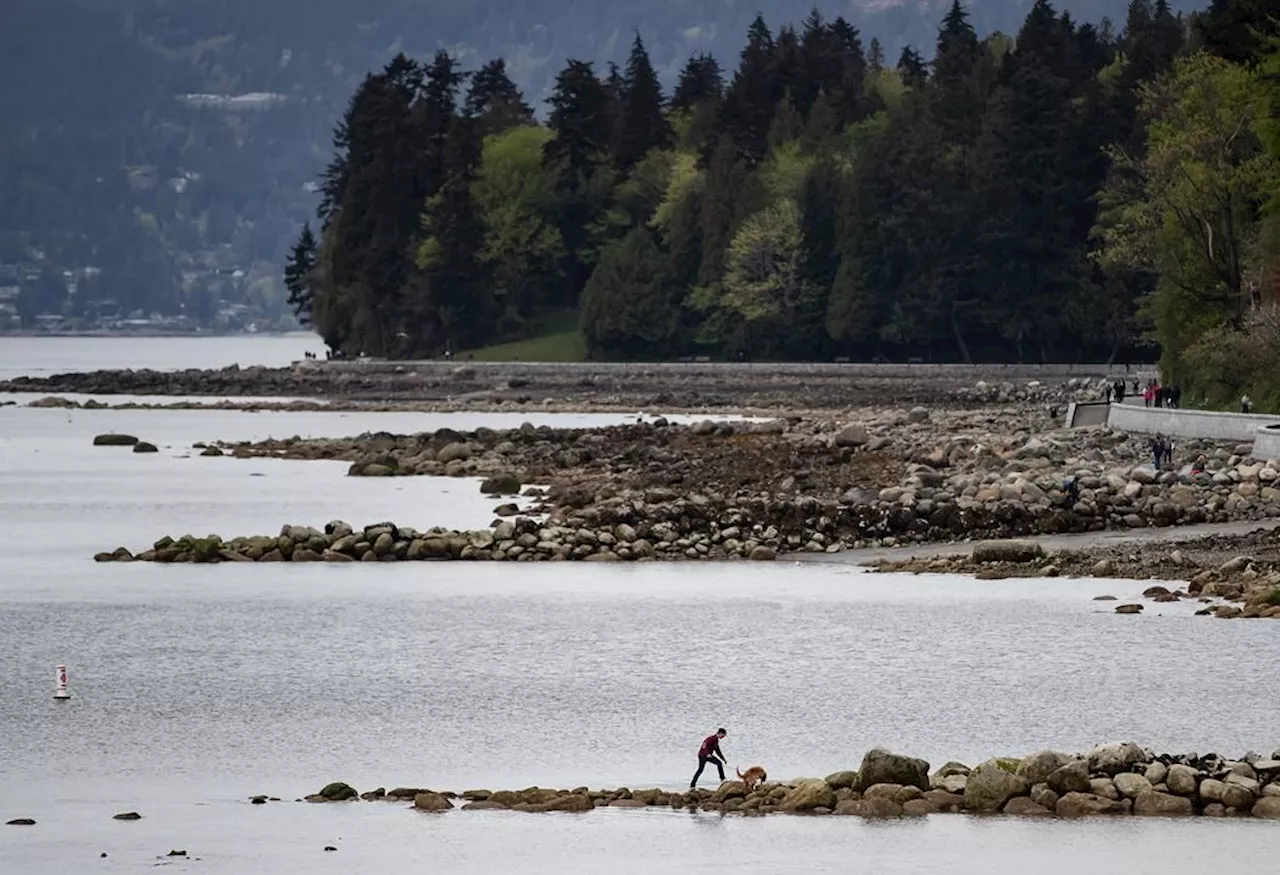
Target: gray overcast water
{"points": [[196, 686]]}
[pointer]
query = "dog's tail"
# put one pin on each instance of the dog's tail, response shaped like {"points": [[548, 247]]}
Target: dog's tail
{"points": [[739, 771]]}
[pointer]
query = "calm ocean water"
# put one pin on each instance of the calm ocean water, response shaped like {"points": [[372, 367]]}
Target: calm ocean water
{"points": [[43, 356], [195, 687]]}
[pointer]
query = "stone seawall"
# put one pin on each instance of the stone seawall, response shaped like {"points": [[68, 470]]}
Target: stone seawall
{"points": [[1206, 424], [1110, 779]]}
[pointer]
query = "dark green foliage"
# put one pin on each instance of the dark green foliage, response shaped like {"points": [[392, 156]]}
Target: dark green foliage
{"points": [[748, 109], [641, 124], [1238, 30], [631, 306], [820, 205], [495, 101], [298, 274], [912, 69], [701, 81]]}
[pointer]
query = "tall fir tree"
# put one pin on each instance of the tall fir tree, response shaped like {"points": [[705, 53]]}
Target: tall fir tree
{"points": [[582, 112], [912, 69], [494, 101], [641, 124], [700, 81], [452, 306], [298, 275], [747, 112]]}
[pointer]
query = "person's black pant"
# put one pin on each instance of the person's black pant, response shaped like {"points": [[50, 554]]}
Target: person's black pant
{"points": [[702, 764]]}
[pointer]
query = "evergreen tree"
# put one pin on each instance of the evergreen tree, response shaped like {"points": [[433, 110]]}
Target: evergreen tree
{"points": [[821, 63], [580, 107], [818, 263], [630, 307], [1238, 30], [581, 115], [452, 306], [912, 69], [748, 109], [369, 239], [849, 95], [495, 101], [959, 97], [433, 118], [701, 81], [875, 56], [641, 124], [298, 274]]}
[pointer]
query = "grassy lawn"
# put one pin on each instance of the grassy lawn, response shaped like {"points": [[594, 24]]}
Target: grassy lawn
{"points": [[558, 340]]}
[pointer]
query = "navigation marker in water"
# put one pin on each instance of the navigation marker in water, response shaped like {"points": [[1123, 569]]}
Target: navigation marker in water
{"points": [[61, 691]]}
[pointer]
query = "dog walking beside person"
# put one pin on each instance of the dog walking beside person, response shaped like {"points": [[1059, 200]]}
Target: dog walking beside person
{"points": [[710, 752]]}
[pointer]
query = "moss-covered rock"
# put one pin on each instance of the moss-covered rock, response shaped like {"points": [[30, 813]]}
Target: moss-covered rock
{"points": [[337, 792]]}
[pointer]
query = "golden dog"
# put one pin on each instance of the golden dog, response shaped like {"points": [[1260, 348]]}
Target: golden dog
{"points": [[752, 777]]}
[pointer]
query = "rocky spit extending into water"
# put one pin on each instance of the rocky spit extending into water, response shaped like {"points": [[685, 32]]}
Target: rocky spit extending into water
{"points": [[1243, 586], [1111, 779], [672, 387], [759, 489]]}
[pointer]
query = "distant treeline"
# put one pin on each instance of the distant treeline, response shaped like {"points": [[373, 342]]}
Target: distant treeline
{"points": [[1065, 194]]}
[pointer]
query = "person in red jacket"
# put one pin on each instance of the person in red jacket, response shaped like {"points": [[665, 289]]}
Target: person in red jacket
{"points": [[710, 752]]}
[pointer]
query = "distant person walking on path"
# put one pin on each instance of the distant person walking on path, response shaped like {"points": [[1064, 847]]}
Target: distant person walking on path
{"points": [[1246, 404], [1149, 394], [710, 753]]}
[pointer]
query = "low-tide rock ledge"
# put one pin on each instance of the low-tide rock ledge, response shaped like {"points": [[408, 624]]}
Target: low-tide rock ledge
{"points": [[521, 539], [1111, 779]]}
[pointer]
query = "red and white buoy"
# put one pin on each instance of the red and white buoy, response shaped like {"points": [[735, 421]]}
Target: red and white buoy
{"points": [[61, 691]]}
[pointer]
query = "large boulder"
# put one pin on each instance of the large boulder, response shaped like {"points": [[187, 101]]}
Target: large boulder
{"points": [[852, 435], [1086, 804], [1131, 786], [1037, 767], [1181, 780], [1268, 808], [808, 795], [337, 792], [144, 447], [879, 806], [847, 778], [990, 786], [1111, 759], [431, 802], [1007, 551], [114, 440], [880, 766], [1153, 804], [1071, 778], [1023, 806], [572, 802], [501, 484], [452, 452]]}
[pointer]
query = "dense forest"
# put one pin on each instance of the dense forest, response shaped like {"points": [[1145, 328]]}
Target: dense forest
{"points": [[1061, 194], [113, 177]]}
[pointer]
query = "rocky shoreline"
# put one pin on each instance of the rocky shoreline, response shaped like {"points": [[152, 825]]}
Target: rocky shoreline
{"points": [[1110, 779], [671, 387], [1244, 586], [889, 477]]}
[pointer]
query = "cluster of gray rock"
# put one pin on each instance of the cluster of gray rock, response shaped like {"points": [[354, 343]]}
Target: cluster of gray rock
{"points": [[522, 539], [669, 386], [950, 475], [1110, 779]]}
